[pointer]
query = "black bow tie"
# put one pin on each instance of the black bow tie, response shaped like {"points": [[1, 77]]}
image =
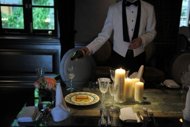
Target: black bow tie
{"points": [[136, 3]]}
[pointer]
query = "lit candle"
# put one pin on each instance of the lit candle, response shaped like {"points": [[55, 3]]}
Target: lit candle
{"points": [[120, 82], [134, 81], [128, 88], [139, 91]]}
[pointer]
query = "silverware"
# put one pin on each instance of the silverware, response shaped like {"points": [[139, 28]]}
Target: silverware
{"points": [[140, 116], [150, 119], [103, 122], [108, 119], [46, 115], [146, 113], [147, 119], [153, 118]]}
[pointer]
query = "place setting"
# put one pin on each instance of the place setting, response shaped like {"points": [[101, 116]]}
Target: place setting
{"points": [[123, 91], [49, 103]]}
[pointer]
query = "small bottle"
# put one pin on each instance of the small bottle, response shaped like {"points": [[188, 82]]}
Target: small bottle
{"points": [[37, 92], [78, 54]]}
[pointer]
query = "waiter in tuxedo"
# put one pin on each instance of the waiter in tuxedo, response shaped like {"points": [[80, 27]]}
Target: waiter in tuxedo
{"points": [[133, 25]]}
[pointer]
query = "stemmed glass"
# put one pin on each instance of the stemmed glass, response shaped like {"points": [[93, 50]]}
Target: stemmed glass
{"points": [[71, 76], [112, 87], [112, 74], [112, 91], [103, 87]]}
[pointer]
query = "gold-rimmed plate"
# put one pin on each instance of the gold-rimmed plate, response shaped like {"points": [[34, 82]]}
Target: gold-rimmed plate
{"points": [[82, 98]]}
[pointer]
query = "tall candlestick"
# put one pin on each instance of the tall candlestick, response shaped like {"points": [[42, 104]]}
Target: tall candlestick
{"points": [[139, 91], [120, 82]]}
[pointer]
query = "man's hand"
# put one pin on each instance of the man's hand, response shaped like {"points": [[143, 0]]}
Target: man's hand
{"points": [[85, 51], [136, 43]]}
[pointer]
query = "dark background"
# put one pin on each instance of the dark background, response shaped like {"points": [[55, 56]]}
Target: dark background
{"points": [[79, 21]]}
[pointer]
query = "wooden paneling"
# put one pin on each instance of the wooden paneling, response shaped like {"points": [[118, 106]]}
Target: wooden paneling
{"points": [[21, 56]]}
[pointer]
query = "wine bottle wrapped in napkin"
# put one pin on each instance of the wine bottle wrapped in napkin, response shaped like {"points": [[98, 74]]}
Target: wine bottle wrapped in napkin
{"points": [[128, 115], [28, 114], [60, 111]]}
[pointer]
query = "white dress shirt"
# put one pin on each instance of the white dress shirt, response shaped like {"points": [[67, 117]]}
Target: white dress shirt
{"points": [[113, 23]]}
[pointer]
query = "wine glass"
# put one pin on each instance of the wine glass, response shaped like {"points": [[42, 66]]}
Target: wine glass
{"points": [[112, 91], [71, 76], [103, 87], [112, 74], [112, 87]]}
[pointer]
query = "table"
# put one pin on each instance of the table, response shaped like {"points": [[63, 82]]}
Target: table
{"points": [[166, 105]]}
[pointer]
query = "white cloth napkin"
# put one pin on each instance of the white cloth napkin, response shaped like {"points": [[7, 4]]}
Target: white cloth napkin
{"points": [[27, 114], [60, 111], [186, 111], [127, 114]]}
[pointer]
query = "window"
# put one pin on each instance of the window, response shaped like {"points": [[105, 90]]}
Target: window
{"points": [[34, 17], [185, 13]]}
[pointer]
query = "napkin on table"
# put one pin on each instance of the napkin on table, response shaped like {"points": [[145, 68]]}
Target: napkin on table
{"points": [[27, 114], [60, 111], [127, 114]]}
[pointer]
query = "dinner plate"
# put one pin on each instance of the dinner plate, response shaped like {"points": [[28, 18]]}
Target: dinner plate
{"points": [[82, 98]]}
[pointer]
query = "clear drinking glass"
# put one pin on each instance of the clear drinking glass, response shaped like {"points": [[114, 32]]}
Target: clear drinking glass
{"points": [[112, 74], [103, 87], [71, 76], [112, 92]]}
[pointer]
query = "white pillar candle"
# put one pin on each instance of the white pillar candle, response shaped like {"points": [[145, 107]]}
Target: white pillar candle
{"points": [[120, 82], [128, 88], [139, 91], [134, 81]]}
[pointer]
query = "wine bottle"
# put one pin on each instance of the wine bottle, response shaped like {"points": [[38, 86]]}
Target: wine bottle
{"points": [[78, 54]]}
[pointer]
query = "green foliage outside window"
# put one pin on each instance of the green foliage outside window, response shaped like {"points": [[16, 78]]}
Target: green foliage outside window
{"points": [[43, 18], [14, 20], [42, 2], [40, 15]]}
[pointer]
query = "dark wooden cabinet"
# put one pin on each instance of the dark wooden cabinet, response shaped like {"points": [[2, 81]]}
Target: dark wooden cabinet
{"points": [[20, 56]]}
